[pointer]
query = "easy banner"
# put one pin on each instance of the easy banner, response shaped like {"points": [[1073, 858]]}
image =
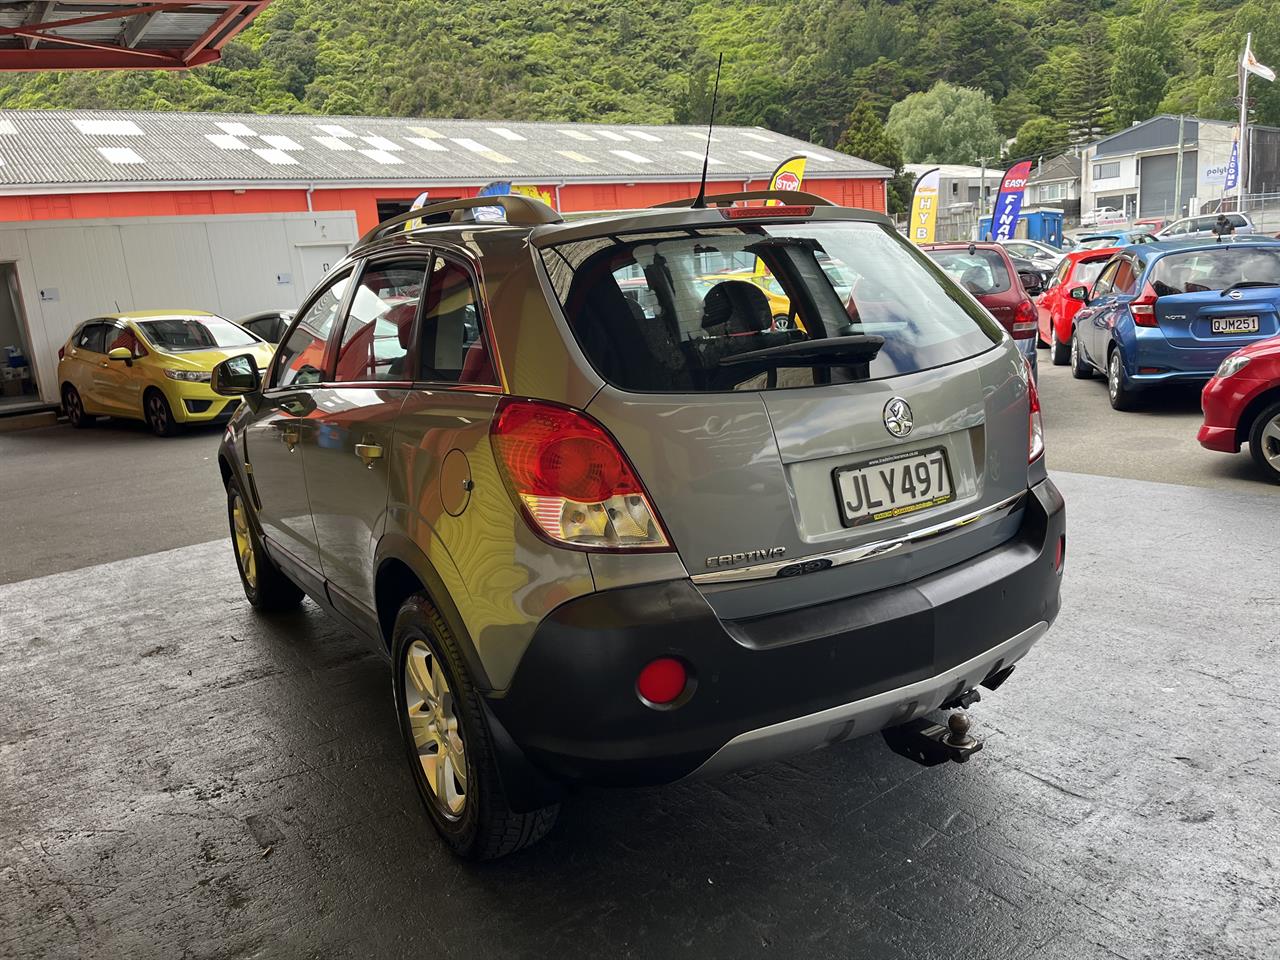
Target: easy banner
{"points": [[924, 207], [1009, 200], [788, 176]]}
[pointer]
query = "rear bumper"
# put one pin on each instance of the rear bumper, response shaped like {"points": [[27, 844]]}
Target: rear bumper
{"points": [[773, 685], [1189, 364]]}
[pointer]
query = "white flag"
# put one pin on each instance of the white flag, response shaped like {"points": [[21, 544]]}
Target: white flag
{"points": [[1250, 63]]}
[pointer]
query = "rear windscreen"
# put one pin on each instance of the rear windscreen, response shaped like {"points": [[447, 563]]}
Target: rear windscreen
{"points": [[666, 312], [981, 273], [1216, 269]]}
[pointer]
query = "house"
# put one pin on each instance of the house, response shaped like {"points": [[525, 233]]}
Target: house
{"points": [[1056, 183]]}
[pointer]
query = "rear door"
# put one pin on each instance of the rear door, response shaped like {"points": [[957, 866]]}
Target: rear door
{"points": [[348, 454], [86, 353]]}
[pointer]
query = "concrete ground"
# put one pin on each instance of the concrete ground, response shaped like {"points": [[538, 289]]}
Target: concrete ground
{"points": [[182, 777]]}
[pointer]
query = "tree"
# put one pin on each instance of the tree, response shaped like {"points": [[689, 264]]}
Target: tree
{"points": [[1138, 83], [1083, 99], [866, 137], [948, 124], [1040, 136]]}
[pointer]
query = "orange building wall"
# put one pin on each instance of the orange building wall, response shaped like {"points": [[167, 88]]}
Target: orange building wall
{"points": [[869, 194]]}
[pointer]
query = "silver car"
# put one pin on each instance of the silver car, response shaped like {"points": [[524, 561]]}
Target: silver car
{"points": [[1194, 228], [613, 525]]}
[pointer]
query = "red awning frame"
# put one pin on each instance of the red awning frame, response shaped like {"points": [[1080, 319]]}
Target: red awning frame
{"points": [[43, 48]]}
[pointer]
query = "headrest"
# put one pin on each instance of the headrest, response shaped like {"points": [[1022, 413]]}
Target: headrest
{"points": [[739, 306]]}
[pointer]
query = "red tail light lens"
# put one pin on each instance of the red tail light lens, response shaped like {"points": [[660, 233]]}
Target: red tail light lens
{"points": [[1144, 307], [573, 483], [62, 352], [1025, 321], [1035, 430]]}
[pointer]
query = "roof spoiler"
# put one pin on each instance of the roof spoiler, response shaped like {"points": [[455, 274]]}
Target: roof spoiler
{"points": [[521, 211], [789, 197]]}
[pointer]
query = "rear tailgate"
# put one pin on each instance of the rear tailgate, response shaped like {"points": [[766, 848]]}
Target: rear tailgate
{"points": [[1207, 319], [750, 481]]}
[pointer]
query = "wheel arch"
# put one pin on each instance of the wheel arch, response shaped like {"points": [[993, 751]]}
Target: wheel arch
{"points": [[1244, 424], [401, 570]]}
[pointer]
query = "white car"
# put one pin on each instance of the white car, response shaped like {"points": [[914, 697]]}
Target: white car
{"points": [[1041, 254], [1101, 215]]}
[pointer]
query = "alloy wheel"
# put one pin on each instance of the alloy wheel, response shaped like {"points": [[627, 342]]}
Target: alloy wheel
{"points": [[157, 415], [1271, 442], [1075, 351], [1113, 375], [244, 543], [437, 735], [71, 403]]}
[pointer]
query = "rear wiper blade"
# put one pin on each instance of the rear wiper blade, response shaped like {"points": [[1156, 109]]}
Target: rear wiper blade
{"points": [[847, 351], [1249, 283]]}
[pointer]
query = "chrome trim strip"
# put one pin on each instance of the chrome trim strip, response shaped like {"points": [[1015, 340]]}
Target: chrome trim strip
{"points": [[861, 717], [838, 558]]}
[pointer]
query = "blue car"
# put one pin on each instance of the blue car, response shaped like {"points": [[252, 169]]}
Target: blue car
{"points": [[1170, 312]]}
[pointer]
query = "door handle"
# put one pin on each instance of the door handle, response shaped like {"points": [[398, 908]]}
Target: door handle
{"points": [[368, 452]]}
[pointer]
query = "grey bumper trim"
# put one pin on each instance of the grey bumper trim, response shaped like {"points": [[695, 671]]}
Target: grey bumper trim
{"points": [[839, 558], [868, 715]]}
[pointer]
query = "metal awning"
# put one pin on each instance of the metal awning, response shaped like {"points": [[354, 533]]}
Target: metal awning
{"points": [[100, 35]]}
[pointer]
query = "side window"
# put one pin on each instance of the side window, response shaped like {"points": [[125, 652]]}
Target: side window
{"points": [[300, 359], [452, 346], [379, 329], [1236, 220], [1126, 278], [1102, 286], [123, 337], [93, 337], [1060, 275]]}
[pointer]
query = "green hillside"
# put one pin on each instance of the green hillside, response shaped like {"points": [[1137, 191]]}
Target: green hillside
{"points": [[1071, 67]]}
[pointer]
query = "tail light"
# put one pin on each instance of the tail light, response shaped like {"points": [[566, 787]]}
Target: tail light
{"points": [[573, 483], [1143, 307], [1025, 321], [62, 351], [1035, 429]]}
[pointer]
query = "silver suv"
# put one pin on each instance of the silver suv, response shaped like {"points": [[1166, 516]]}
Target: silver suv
{"points": [[615, 521]]}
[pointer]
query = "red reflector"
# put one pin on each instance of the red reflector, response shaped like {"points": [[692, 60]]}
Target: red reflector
{"points": [[662, 680], [62, 352], [1061, 555], [1150, 369], [747, 213]]}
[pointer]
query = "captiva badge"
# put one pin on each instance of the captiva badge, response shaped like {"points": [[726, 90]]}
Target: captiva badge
{"points": [[897, 417]]}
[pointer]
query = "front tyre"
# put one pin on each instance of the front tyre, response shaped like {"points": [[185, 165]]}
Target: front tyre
{"points": [[1080, 369], [1264, 442], [157, 413], [266, 586], [1059, 352], [1121, 395], [447, 741]]}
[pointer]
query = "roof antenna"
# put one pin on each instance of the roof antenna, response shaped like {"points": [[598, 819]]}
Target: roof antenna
{"points": [[701, 202]]}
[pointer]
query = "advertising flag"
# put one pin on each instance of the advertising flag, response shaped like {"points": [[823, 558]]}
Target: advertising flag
{"points": [[1233, 167], [1009, 200], [788, 176], [418, 204], [1250, 62], [924, 208]]}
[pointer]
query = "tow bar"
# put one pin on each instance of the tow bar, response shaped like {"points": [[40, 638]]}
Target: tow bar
{"points": [[930, 744]]}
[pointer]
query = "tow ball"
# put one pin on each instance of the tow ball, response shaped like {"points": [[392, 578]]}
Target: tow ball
{"points": [[930, 744]]}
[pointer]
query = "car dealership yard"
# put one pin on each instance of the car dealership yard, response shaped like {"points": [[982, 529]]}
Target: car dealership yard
{"points": [[182, 777]]}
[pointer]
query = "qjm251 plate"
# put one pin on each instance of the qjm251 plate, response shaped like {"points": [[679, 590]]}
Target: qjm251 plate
{"points": [[894, 486], [1234, 325]]}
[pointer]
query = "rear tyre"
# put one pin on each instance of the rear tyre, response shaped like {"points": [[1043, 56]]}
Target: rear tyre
{"points": [[73, 406], [1060, 352], [1122, 395], [1080, 368], [1264, 442], [266, 586], [155, 408], [447, 742]]}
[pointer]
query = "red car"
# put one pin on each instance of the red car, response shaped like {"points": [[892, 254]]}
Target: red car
{"points": [[1057, 309], [1242, 402], [987, 272]]}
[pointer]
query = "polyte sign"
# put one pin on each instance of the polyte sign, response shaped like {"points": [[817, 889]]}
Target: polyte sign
{"points": [[1009, 200]]}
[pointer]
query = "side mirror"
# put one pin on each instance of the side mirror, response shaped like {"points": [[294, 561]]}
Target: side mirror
{"points": [[236, 377], [1079, 293], [121, 353]]}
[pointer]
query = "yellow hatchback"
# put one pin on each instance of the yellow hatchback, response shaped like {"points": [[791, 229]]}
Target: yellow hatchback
{"points": [[153, 366]]}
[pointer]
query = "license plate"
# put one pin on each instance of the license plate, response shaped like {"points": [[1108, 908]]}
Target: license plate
{"points": [[1230, 325], [894, 486]]}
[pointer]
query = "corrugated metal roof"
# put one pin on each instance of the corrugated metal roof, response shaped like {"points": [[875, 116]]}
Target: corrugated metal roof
{"points": [[86, 147]]}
